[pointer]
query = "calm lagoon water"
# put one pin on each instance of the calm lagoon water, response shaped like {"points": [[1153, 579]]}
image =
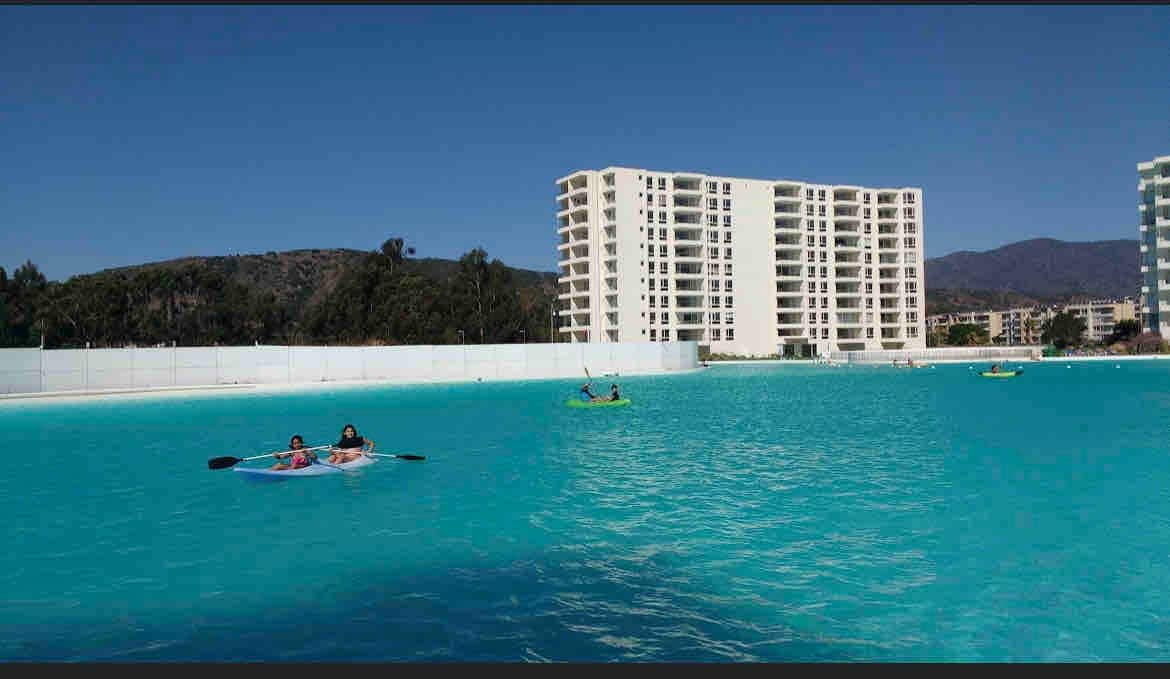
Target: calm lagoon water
{"points": [[738, 513]]}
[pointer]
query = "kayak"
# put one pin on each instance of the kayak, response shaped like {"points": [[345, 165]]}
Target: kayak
{"points": [[578, 403], [320, 468], [1002, 373]]}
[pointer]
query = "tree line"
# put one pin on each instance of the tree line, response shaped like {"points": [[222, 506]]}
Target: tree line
{"points": [[379, 299]]}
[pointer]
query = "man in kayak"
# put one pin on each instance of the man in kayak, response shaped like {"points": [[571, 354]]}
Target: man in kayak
{"points": [[994, 367], [587, 393], [613, 393], [297, 457], [350, 447]]}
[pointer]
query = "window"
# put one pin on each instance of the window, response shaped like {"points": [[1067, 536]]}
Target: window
{"points": [[662, 234], [824, 256], [911, 272], [661, 217], [662, 183], [715, 333], [714, 301], [824, 317], [726, 253], [664, 302], [821, 211], [869, 272], [714, 268], [665, 335], [653, 334], [652, 305], [824, 272], [730, 334], [650, 216], [727, 268], [715, 285], [869, 333], [824, 333], [726, 188], [728, 301], [823, 226], [912, 331], [809, 210], [726, 236], [809, 194], [714, 253], [727, 220], [821, 194], [911, 316], [812, 225], [812, 241], [662, 250], [812, 318], [811, 255], [726, 203], [865, 198], [730, 318], [663, 283], [869, 258], [665, 318], [910, 243], [912, 302], [727, 285], [712, 203], [869, 288], [712, 236], [865, 213], [662, 200], [869, 302], [650, 251], [824, 302], [652, 286], [649, 234], [911, 286], [908, 197], [649, 198], [909, 227], [662, 267], [715, 317], [712, 187], [712, 220], [824, 287], [868, 227], [908, 213]]}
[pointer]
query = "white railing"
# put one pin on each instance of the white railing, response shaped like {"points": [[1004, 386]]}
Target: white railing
{"points": [[938, 354], [32, 371]]}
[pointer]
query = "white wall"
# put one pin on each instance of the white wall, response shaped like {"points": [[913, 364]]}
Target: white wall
{"points": [[28, 371]]}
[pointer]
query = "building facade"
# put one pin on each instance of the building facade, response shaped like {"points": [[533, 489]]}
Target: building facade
{"points": [[749, 267], [1025, 325], [1154, 231]]}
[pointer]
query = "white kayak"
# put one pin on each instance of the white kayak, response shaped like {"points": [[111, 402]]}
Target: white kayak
{"points": [[319, 468]]}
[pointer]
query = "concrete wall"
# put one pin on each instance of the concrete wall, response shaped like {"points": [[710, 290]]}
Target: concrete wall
{"points": [[26, 371], [939, 354]]}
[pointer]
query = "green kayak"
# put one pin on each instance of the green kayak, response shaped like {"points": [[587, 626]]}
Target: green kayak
{"points": [[578, 403], [1002, 373]]}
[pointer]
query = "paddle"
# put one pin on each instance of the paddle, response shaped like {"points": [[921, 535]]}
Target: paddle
{"points": [[400, 456], [230, 461]]}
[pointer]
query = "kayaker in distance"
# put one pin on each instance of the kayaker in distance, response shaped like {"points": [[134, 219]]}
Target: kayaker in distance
{"points": [[994, 367], [297, 458], [587, 393], [350, 447], [613, 393]]}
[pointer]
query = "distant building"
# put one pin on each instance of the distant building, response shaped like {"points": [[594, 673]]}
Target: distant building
{"points": [[741, 266], [1154, 228], [1024, 325]]}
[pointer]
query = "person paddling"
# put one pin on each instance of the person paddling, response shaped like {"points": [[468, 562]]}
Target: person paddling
{"points": [[613, 393], [297, 457], [350, 447], [587, 392]]}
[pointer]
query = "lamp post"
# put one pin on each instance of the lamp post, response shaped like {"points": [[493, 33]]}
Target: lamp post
{"points": [[461, 337], [523, 337]]}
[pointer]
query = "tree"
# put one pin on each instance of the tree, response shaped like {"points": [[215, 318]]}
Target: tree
{"points": [[1124, 330], [1064, 329], [966, 334], [937, 337]]}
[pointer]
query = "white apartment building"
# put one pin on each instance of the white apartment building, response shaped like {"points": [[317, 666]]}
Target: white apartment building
{"points": [[1025, 325], [1154, 228], [750, 267]]}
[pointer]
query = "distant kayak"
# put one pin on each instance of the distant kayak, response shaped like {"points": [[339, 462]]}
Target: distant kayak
{"points": [[315, 469], [1002, 373], [578, 403]]}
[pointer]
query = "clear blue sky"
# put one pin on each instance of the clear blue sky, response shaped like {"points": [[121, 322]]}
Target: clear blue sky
{"points": [[135, 134]]}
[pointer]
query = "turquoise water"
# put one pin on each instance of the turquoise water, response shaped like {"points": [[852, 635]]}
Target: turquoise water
{"points": [[739, 513]]}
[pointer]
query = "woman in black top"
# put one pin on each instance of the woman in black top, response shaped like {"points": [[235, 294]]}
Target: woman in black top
{"points": [[350, 447]]}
